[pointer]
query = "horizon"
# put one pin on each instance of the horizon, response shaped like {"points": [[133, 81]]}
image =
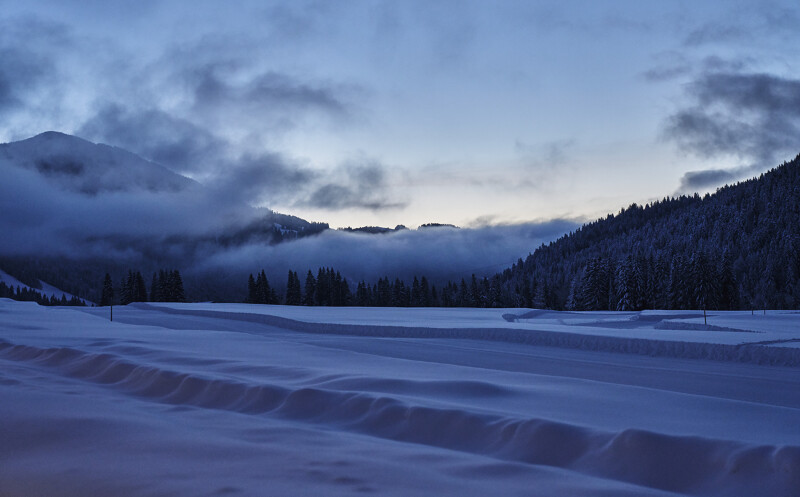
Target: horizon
{"points": [[381, 114]]}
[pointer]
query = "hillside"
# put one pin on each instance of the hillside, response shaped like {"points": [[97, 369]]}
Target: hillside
{"points": [[81, 166], [738, 248]]}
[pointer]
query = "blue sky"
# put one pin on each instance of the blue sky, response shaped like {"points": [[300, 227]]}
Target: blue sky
{"points": [[384, 113]]}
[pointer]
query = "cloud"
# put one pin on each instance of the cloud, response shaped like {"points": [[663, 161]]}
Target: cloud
{"points": [[228, 91], [542, 164], [673, 65], [441, 254], [261, 179], [20, 73], [754, 117], [25, 68], [44, 219], [694, 181], [365, 186], [156, 136], [184, 229], [715, 32]]}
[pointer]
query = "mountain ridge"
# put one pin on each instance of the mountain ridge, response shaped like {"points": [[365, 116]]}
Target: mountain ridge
{"points": [[650, 256], [81, 166]]}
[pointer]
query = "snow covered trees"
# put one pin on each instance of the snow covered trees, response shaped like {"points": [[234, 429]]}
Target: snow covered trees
{"points": [[737, 248]]}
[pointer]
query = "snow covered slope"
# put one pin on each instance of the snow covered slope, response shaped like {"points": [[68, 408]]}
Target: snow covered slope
{"points": [[46, 289], [262, 400], [82, 166]]}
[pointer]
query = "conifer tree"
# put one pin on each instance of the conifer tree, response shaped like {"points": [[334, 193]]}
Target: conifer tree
{"points": [[107, 296], [425, 293], [154, 290], [252, 290], [311, 285]]}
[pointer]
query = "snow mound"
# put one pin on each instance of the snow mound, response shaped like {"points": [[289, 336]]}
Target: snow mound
{"points": [[683, 464]]}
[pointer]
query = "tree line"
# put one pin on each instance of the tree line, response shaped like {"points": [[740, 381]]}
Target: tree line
{"points": [[31, 295], [330, 288], [738, 248], [166, 286]]}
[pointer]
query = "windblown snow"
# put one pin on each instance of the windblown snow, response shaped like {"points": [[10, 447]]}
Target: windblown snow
{"points": [[228, 399]]}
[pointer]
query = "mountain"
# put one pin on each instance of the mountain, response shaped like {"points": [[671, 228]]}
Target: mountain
{"points": [[74, 210], [738, 248], [84, 167]]}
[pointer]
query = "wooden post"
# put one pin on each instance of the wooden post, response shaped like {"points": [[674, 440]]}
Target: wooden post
{"points": [[112, 312], [705, 321]]}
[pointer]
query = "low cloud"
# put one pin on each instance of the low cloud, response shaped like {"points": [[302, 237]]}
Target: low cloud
{"points": [[441, 254], [186, 230], [694, 181]]}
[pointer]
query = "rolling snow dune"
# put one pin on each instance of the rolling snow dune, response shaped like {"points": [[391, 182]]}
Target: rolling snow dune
{"points": [[203, 399]]}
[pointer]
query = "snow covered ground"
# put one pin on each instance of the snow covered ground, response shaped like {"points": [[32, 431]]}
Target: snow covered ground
{"points": [[228, 399], [45, 288]]}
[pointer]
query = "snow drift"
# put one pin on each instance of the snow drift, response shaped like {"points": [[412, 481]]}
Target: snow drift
{"points": [[329, 402]]}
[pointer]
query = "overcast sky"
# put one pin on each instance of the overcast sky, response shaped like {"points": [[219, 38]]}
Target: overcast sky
{"points": [[403, 112]]}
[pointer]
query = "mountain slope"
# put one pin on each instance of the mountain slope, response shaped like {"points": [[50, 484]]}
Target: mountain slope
{"points": [[737, 248], [81, 166]]}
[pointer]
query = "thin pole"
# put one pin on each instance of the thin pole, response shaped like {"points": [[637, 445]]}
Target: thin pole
{"points": [[112, 312]]}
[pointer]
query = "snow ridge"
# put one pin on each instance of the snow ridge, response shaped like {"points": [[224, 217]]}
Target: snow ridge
{"points": [[755, 353], [694, 465]]}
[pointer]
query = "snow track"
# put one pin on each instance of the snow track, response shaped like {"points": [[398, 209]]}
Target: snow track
{"points": [[755, 352]]}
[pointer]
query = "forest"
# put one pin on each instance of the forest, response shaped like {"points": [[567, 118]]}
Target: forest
{"points": [[738, 248]]}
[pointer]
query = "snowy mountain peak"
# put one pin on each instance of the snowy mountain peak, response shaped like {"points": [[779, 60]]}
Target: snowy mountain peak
{"points": [[78, 165]]}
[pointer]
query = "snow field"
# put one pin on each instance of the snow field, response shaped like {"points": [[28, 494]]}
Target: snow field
{"points": [[197, 401]]}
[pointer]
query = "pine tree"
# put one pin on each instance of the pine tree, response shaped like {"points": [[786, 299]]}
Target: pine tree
{"points": [[107, 297], [311, 285], [141, 290], [728, 287], [293, 292], [177, 287], [154, 289], [252, 290], [425, 292], [127, 289]]}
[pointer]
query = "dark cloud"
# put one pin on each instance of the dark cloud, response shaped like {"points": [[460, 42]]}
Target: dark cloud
{"points": [[261, 179], [157, 136], [702, 180], [753, 117], [365, 187]]}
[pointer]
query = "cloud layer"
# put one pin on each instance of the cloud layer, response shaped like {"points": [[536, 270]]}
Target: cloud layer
{"points": [[207, 230]]}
